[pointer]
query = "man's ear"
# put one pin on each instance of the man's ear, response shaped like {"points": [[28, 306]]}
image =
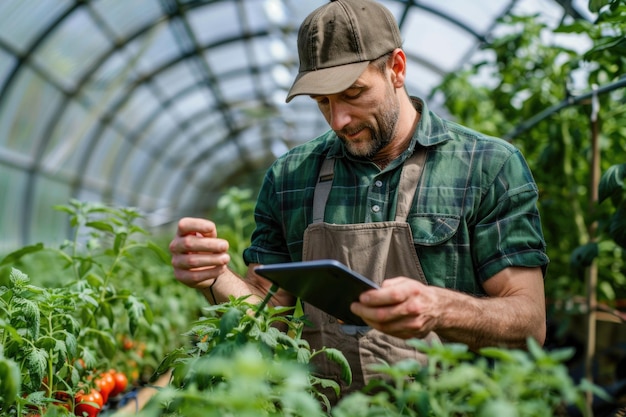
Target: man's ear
{"points": [[397, 68]]}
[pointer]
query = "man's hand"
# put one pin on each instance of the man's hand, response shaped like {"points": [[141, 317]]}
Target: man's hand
{"points": [[402, 307], [513, 310], [198, 255]]}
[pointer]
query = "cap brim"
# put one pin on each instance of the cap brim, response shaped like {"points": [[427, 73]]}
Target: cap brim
{"points": [[326, 81]]}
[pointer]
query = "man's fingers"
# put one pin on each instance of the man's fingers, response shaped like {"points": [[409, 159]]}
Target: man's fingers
{"points": [[201, 277], [193, 226], [200, 261]]}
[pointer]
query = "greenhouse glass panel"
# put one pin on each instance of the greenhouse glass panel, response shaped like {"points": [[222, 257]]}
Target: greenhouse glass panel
{"points": [[478, 18], [125, 18], [215, 22], [7, 64], [225, 59], [137, 108], [159, 187], [156, 48], [202, 125], [66, 146], [66, 54], [26, 112], [109, 84], [22, 22], [12, 185], [238, 88], [176, 79], [155, 134], [255, 15], [133, 165], [193, 102], [99, 162], [421, 40], [47, 223]]}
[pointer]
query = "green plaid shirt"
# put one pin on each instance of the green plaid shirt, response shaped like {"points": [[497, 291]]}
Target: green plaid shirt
{"points": [[473, 215]]}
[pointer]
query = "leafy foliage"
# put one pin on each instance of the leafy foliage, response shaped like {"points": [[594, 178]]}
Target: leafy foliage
{"points": [[244, 373], [59, 335], [234, 217], [227, 329], [533, 78]]}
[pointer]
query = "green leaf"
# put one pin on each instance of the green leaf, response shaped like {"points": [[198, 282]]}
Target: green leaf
{"points": [[120, 240], [30, 313], [107, 312], [596, 5], [163, 255], [338, 357], [229, 321], [106, 341], [18, 254], [11, 331], [18, 278], [37, 361], [100, 225], [612, 182], [617, 227], [170, 359], [563, 354], [135, 309], [71, 343], [584, 255], [498, 407], [10, 381]]}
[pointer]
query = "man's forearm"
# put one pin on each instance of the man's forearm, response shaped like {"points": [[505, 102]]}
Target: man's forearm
{"points": [[492, 321], [229, 284]]}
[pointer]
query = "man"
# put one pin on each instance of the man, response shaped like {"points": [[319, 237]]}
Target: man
{"points": [[443, 217]]}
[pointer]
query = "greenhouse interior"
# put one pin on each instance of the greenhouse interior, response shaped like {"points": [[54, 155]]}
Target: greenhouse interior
{"points": [[118, 118]]}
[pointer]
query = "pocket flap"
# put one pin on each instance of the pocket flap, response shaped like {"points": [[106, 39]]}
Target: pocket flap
{"points": [[433, 229]]}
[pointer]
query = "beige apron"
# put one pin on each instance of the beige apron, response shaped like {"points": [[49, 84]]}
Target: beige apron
{"points": [[378, 251]]}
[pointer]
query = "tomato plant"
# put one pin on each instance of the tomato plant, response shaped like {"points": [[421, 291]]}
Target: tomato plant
{"points": [[63, 308]]}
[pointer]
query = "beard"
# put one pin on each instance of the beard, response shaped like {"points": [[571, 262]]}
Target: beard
{"points": [[381, 135]]}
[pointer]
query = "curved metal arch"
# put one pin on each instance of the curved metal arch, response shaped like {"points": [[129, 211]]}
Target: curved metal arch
{"points": [[106, 116], [222, 106], [28, 197], [438, 13]]}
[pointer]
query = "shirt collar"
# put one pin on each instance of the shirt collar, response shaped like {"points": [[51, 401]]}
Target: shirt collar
{"points": [[431, 130]]}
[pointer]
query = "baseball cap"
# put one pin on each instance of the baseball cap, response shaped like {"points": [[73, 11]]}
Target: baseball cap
{"points": [[337, 41]]}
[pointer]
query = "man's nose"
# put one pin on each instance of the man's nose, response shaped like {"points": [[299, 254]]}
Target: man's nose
{"points": [[339, 115]]}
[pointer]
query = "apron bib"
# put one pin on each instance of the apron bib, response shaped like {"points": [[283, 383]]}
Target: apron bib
{"points": [[378, 251]]}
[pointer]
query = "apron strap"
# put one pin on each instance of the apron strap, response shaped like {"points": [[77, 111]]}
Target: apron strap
{"points": [[409, 180], [322, 189]]}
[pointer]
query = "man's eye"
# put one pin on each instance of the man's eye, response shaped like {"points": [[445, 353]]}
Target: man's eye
{"points": [[321, 100], [352, 94]]}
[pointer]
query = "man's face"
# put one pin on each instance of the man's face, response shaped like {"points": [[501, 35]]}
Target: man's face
{"points": [[365, 115]]}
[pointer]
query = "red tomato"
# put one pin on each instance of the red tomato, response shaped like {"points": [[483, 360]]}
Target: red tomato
{"points": [[105, 384], [127, 343], [121, 382], [88, 404]]}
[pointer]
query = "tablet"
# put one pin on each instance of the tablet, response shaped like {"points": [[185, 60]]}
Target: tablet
{"points": [[327, 284]]}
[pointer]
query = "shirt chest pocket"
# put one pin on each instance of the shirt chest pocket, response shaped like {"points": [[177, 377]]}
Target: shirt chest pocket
{"points": [[433, 229], [440, 246]]}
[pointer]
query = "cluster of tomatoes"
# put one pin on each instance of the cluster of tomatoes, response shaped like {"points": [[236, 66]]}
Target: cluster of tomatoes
{"points": [[89, 402], [106, 385]]}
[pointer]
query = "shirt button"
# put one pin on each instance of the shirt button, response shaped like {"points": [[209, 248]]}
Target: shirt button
{"points": [[378, 183], [375, 208]]}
